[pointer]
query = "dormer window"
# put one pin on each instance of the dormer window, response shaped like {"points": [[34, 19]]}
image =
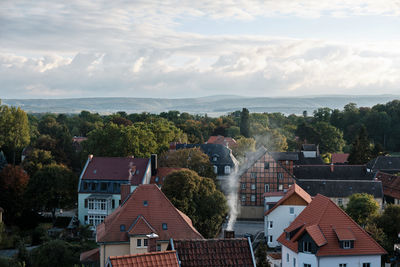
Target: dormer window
{"points": [[307, 246], [164, 226], [122, 227], [346, 244], [215, 158], [227, 169]]}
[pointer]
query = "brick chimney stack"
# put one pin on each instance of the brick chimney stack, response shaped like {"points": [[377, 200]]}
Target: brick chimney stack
{"points": [[152, 247]]}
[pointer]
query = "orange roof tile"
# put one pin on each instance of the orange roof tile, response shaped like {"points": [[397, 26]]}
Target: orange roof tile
{"points": [[152, 259], [328, 216], [162, 172], [316, 235], [339, 158], [219, 139], [344, 234], [390, 184], [294, 189], [157, 211], [141, 227], [90, 255]]}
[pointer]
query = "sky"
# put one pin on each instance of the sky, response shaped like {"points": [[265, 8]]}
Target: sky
{"points": [[178, 49]]}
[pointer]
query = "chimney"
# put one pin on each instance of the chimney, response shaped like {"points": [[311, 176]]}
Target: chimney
{"points": [[90, 157], [229, 234], [154, 166], [125, 191], [332, 167], [152, 246]]}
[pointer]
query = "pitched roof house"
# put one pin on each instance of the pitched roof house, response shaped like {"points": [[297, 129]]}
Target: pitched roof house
{"points": [[222, 140], [145, 216], [161, 173], [387, 164], [151, 259], [324, 235], [391, 187], [100, 185], [281, 214], [214, 252]]}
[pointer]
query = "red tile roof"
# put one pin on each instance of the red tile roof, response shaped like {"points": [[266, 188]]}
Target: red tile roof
{"points": [[162, 172], [325, 214], [90, 256], [115, 168], [141, 227], [275, 256], [214, 252], [339, 158], [344, 234], [274, 194], [293, 190], [152, 259], [316, 234], [159, 210], [390, 184], [222, 140]]}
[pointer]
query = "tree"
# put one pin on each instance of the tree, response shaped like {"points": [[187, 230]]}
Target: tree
{"points": [[55, 253], [389, 221], [330, 138], [14, 129], [243, 145], [53, 186], [261, 255], [194, 196], [362, 207], [36, 160], [245, 123], [190, 158], [273, 140], [361, 148], [13, 183], [3, 160]]}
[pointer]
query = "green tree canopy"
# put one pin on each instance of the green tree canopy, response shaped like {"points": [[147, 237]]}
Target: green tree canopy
{"points": [[389, 222], [190, 158], [362, 207], [37, 159], [245, 123], [243, 145], [55, 253], [198, 198], [361, 148]]}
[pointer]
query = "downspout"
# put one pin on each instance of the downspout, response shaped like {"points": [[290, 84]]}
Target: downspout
{"points": [[252, 253], [171, 241]]}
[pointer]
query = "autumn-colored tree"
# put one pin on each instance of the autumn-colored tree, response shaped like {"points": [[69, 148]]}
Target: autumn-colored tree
{"points": [[13, 184]]}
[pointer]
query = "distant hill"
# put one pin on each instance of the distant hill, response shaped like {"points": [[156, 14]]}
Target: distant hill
{"points": [[212, 105]]}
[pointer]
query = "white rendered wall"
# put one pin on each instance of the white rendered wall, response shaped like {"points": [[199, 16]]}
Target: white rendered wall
{"points": [[281, 219], [355, 261], [82, 211]]}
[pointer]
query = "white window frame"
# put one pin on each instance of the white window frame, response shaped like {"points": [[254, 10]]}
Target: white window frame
{"points": [[95, 219], [346, 244], [306, 245], [253, 186], [270, 224], [139, 243], [287, 257], [366, 264], [243, 198], [145, 242], [215, 169], [227, 169], [280, 187], [253, 198], [243, 185], [270, 238], [266, 188], [306, 265], [342, 264], [340, 201], [97, 204]]}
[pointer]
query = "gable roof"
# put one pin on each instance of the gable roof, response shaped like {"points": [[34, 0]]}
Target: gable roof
{"points": [[214, 252], [141, 227], [390, 184], [294, 190], [116, 168], [332, 172], [222, 140], [158, 211], [151, 259], [384, 163], [327, 216], [224, 155]]}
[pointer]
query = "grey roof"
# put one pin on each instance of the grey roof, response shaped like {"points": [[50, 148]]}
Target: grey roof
{"points": [[341, 188], [251, 159], [340, 172], [285, 155], [223, 153], [309, 147], [385, 163], [308, 161]]}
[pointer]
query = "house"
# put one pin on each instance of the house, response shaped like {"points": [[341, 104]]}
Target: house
{"points": [[161, 173], [278, 217], [151, 259], [262, 173], [340, 158], [324, 235], [386, 164], [90, 258], [309, 155], [100, 185], [391, 187], [274, 259], [222, 140], [338, 182], [145, 217], [214, 252]]}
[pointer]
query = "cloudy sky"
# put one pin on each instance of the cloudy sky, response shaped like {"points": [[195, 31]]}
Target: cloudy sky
{"points": [[174, 49]]}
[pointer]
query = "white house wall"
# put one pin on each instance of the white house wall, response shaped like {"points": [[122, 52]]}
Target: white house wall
{"points": [[281, 219]]}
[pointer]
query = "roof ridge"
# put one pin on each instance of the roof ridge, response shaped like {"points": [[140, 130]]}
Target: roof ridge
{"points": [[143, 254]]}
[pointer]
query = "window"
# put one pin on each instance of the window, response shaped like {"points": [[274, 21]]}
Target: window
{"points": [[287, 257], [306, 265], [215, 158], [280, 187], [86, 221], [253, 198], [340, 201], [85, 186], [366, 264], [280, 175], [266, 187], [227, 169], [270, 224], [145, 242], [139, 242], [157, 179], [253, 186], [253, 175], [306, 246], [291, 210], [294, 262], [103, 186], [215, 169], [243, 198], [96, 219], [243, 185], [266, 165], [343, 265], [164, 226], [97, 204], [158, 247], [93, 186], [145, 203], [346, 244], [113, 203], [270, 238], [122, 227]]}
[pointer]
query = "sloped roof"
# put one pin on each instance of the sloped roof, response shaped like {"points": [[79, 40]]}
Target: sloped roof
{"points": [[341, 188], [390, 184], [224, 154], [141, 227], [222, 140], [385, 163], [327, 216], [309, 147], [316, 234], [151, 259], [344, 234], [329, 172], [159, 210], [162, 172], [285, 155], [293, 190], [214, 252], [116, 168], [339, 158], [92, 255]]}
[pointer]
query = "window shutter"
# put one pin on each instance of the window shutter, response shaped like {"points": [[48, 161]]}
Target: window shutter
{"points": [[113, 203], [86, 203]]}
